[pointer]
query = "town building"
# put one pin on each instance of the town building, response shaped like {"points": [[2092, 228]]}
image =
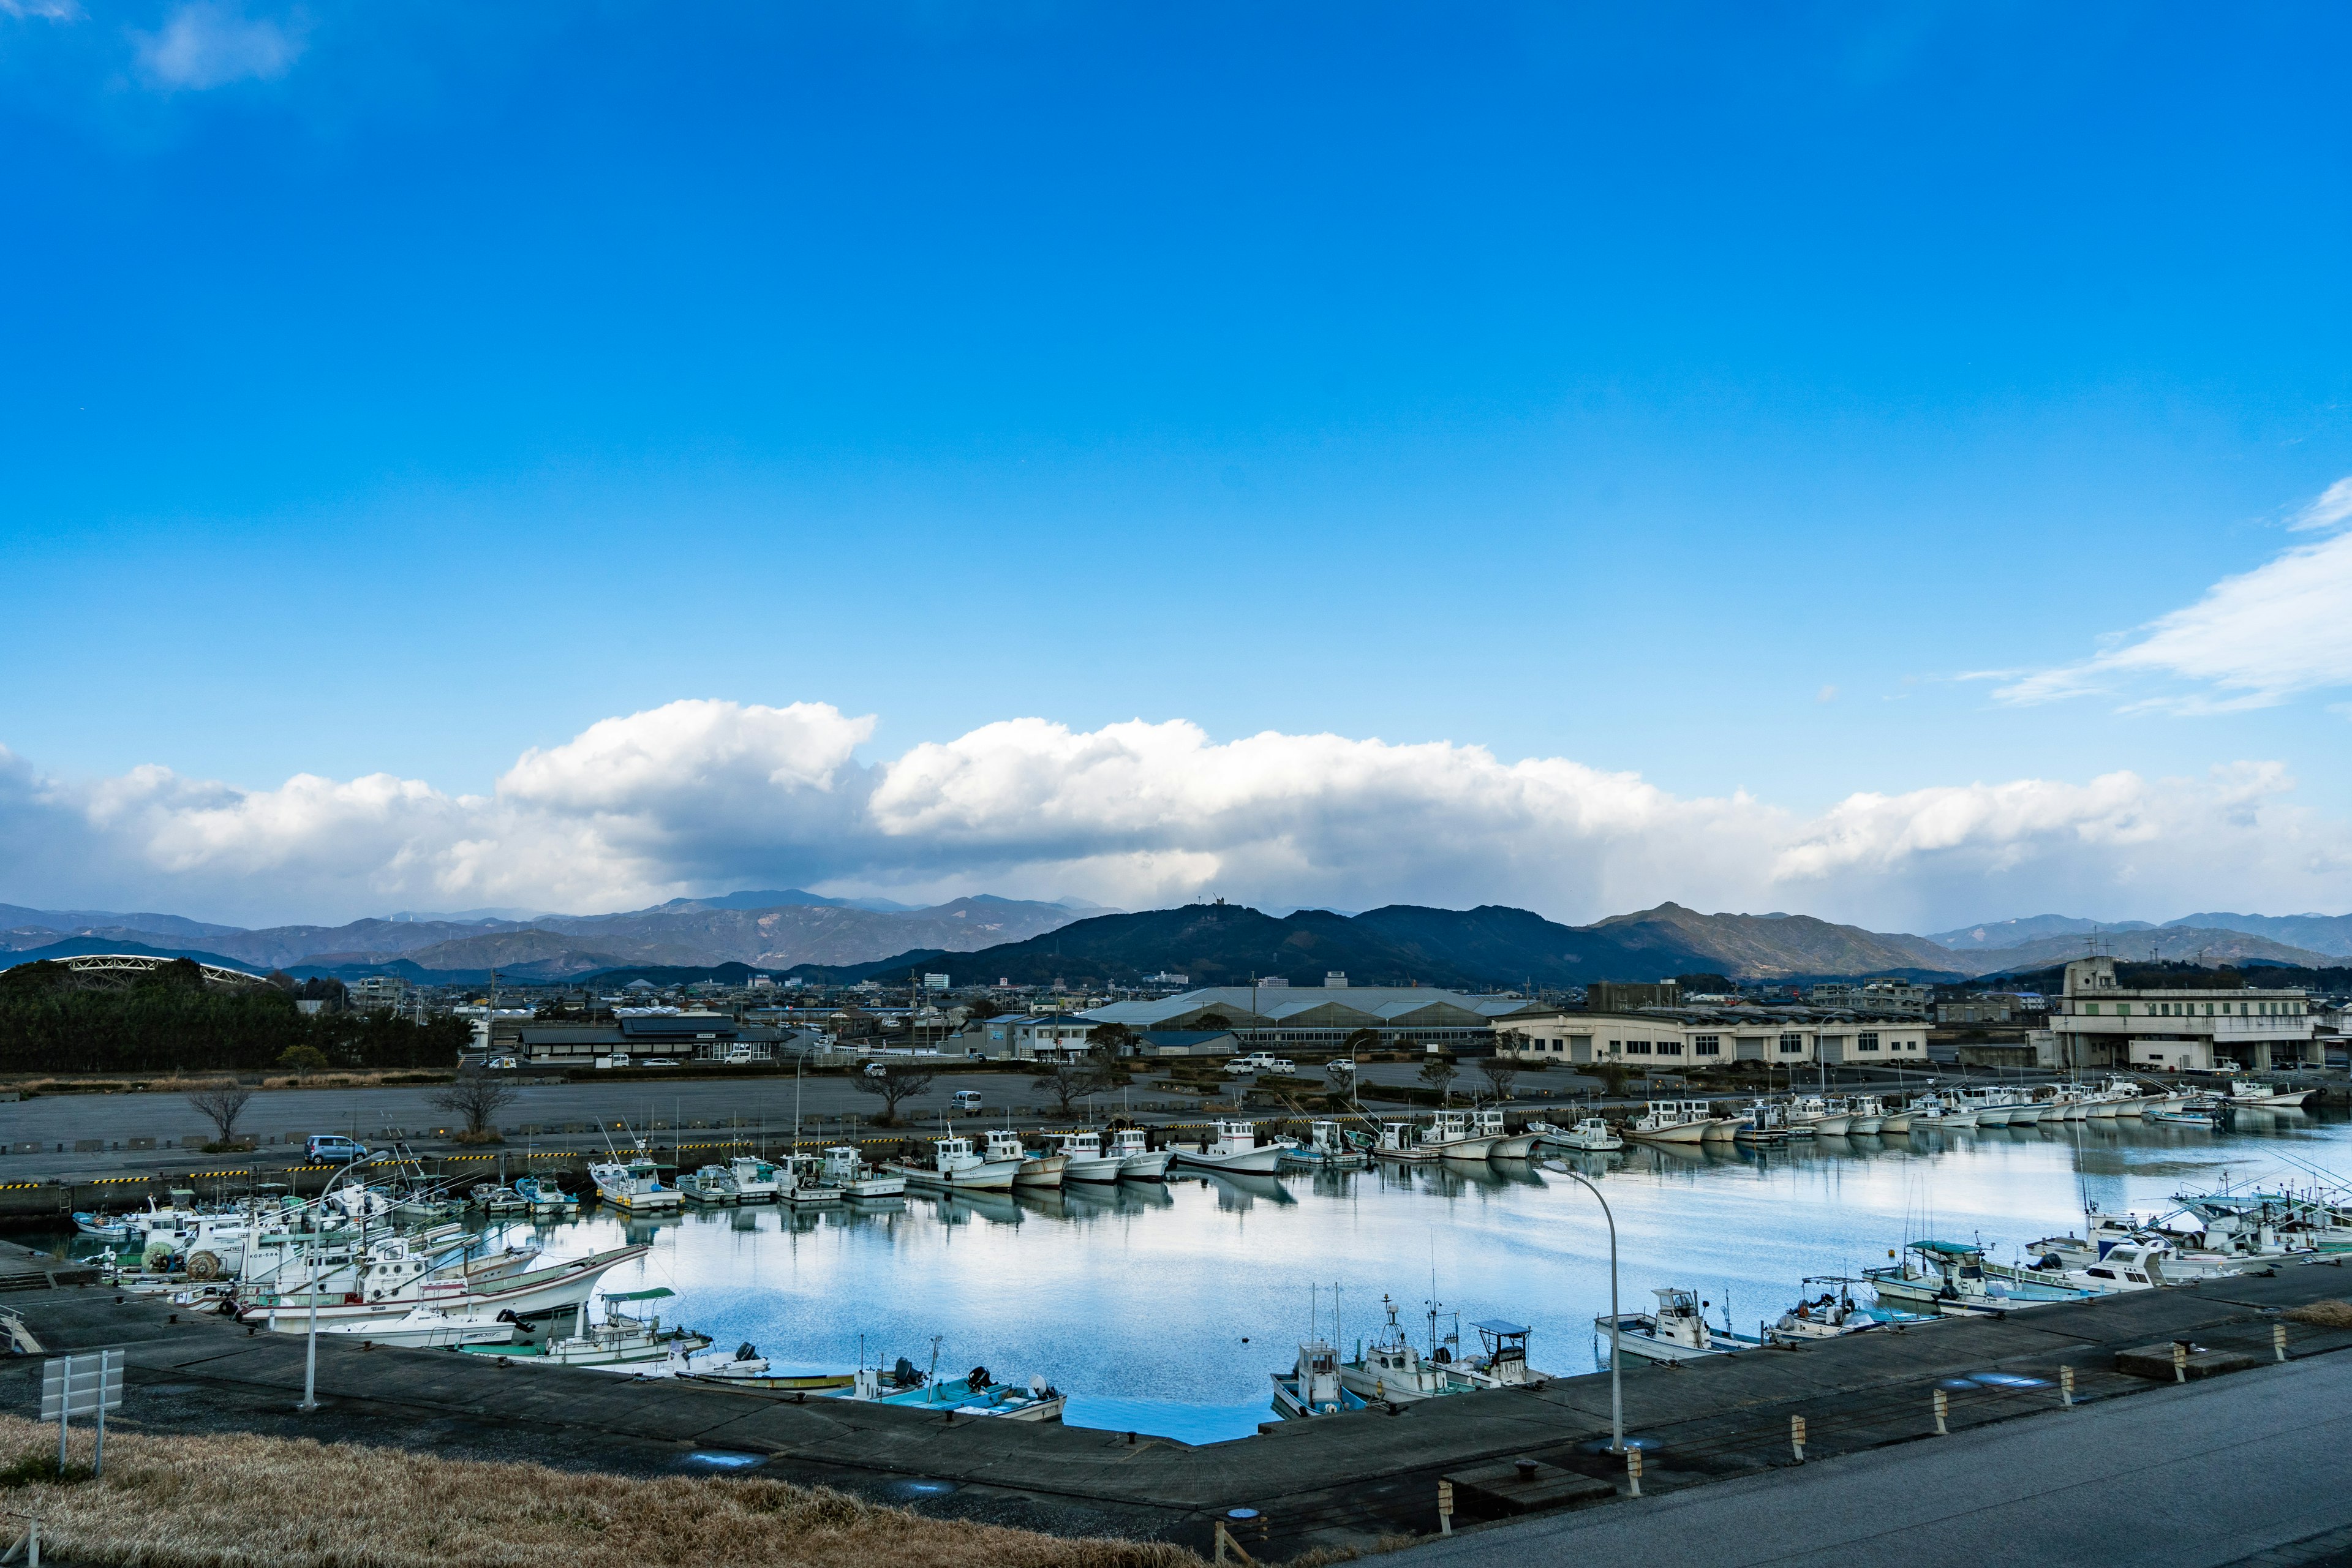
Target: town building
{"points": [[1713, 1036], [1326, 1017], [1035, 1036], [2097, 1022], [1626, 996], [1977, 1010], [378, 993], [1877, 998], [630, 1040]]}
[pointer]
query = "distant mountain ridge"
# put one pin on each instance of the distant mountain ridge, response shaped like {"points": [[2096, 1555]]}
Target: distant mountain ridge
{"points": [[785, 929]]}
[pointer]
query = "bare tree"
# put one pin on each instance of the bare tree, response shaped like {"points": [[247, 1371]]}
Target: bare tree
{"points": [[1067, 1082], [1438, 1074], [221, 1103], [478, 1098], [1500, 1073], [894, 1082]]}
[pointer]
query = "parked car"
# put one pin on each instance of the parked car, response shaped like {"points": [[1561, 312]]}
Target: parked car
{"points": [[966, 1099], [1261, 1062], [878, 1070], [500, 1064], [333, 1149]]}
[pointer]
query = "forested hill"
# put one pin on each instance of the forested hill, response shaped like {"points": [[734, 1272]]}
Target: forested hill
{"points": [[56, 1019]]}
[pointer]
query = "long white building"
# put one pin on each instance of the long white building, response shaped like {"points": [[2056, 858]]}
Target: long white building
{"points": [[1714, 1036], [2098, 1023], [1324, 1017]]}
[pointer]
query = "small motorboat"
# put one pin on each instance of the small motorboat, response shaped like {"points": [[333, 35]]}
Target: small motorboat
{"points": [[1677, 1330], [1138, 1160], [1592, 1135], [1084, 1160], [711, 1184], [1235, 1150], [847, 1169], [545, 1197], [757, 1181]]}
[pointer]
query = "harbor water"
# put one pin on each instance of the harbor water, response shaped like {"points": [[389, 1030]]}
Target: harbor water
{"points": [[1162, 1309]]}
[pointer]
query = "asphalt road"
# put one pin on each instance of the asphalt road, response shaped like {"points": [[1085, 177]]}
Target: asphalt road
{"points": [[2199, 1475]]}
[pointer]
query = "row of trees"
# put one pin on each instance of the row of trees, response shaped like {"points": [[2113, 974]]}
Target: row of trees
{"points": [[173, 1020]]}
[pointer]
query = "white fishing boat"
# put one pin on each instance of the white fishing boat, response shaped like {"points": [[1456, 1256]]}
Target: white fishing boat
{"points": [[1036, 1171], [1677, 1330], [1591, 1134], [1391, 1370], [1451, 1136], [619, 1340], [392, 1283], [1677, 1121], [847, 1169], [1988, 1105], [1804, 1113], [1869, 1115], [2205, 1114], [955, 1165], [633, 1185], [1506, 1144], [1328, 1148], [423, 1327], [805, 1180], [1312, 1387], [1951, 1278], [1138, 1160], [1833, 1314], [1084, 1160], [2246, 1092], [1763, 1122], [2117, 1097], [1235, 1150], [1397, 1143], [1501, 1359], [544, 1196], [712, 1185], [100, 1227], [757, 1181], [496, 1198]]}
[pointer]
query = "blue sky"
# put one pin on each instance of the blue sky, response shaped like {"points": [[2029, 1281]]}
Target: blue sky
{"points": [[1702, 394]]}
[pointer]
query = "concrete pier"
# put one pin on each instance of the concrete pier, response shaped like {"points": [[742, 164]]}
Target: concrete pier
{"points": [[1339, 1481]]}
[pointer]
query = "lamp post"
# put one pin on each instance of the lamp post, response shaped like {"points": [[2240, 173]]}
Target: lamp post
{"points": [[1616, 1396], [310, 1352]]}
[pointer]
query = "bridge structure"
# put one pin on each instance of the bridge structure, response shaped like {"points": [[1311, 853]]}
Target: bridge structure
{"points": [[148, 964]]}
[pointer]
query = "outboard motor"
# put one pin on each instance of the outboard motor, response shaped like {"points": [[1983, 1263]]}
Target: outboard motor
{"points": [[904, 1374], [747, 1350]]}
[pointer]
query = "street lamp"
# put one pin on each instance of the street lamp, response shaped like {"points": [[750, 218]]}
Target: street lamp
{"points": [[310, 1353], [1616, 1395]]}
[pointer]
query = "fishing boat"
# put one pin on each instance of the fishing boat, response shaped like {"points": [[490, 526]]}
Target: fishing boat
{"points": [[1988, 1105], [847, 1170], [1764, 1121], [2246, 1092], [1506, 1144], [1869, 1115], [1803, 1114], [2117, 1097], [634, 1185], [712, 1185], [1501, 1359], [1677, 1331], [1677, 1121], [544, 1196], [1312, 1387], [99, 1229], [804, 1381], [757, 1181], [392, 1281], [1391, 1370], [497, 1198], [1328, 1148], [1592, 1135], [954, 1164], [2205, 1114], [1084, 1160], [974, 1393], [1833, 1314], [1138, 1160], [1235, 1150], [425, 1328], [618, 1339], [1951, 1278], [804, 1181], [1036, 1171], [1397, 1143], [1451, 1136]]}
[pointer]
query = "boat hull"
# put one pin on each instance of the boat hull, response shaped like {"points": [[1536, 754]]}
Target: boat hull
{"points": [[987, 1177], [1043, 1171], [1518, 1146], [1150, 1166], [1260, 1162]]}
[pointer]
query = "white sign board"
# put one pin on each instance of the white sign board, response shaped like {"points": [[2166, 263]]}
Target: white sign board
{"points": [[81, 1384]]}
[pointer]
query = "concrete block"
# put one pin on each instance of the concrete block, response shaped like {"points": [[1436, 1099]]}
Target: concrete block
{"points": [[24, 1148], [2155, 1362], [141, 1142], [193, 1141], [1524, 1486]]}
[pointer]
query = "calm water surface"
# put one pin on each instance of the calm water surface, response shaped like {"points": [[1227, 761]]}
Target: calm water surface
{"points": [[1162, 1311]]}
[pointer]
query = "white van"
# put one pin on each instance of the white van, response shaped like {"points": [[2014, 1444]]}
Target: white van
{"points": [[966, 1101]]}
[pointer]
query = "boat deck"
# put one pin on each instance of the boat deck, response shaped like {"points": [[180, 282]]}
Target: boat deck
{"points": [[1339, 1480]]}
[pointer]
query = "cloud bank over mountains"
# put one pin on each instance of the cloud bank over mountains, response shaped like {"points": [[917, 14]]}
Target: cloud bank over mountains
{"points": [[702, 795]]}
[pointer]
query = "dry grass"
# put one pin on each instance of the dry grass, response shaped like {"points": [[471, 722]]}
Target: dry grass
{"points": [[2330, 1314], [245, 1501]]}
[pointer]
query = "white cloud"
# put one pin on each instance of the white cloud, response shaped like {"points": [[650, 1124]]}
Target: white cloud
{"points": [[699, 796], [2252, 641], [46, 10], [207, 44]]}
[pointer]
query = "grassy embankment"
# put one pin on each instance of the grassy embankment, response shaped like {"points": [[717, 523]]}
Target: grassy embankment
{"points": [[247, 1502]]}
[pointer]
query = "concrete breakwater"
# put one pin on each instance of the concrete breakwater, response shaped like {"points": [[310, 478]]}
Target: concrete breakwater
{"points": [[1344, 1481]]}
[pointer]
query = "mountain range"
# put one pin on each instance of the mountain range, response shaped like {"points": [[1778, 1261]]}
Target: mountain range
{"points": [[1032, 941]]}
